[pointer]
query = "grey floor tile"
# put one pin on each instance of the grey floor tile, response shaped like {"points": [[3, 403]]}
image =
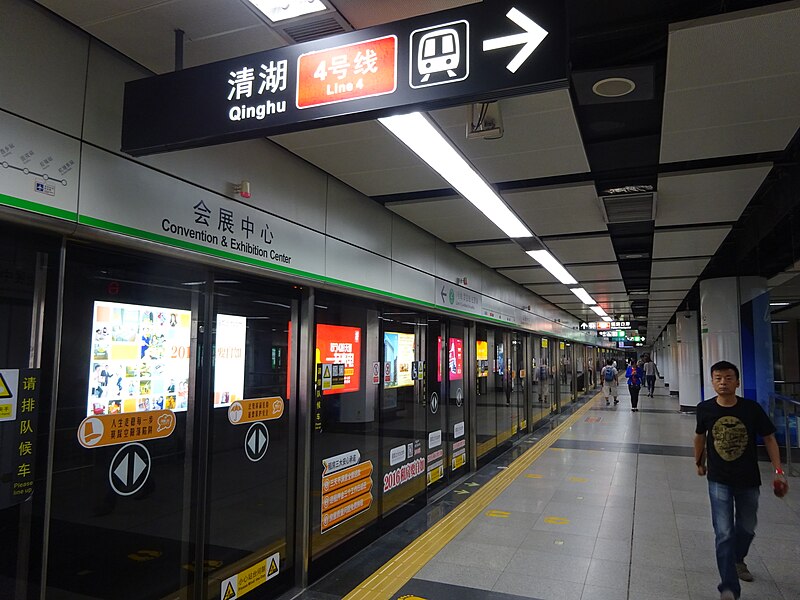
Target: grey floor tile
{"points": [[559, 543], [655, 554], [474, 577], [475, 554], [669, 582], [612, 550], [563, 568], [488, 533], [538, 587], [608, 574], [593, 592]]}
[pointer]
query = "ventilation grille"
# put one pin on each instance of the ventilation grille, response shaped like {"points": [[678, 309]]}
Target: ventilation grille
{"points": [[629, 208], [314, 29]]}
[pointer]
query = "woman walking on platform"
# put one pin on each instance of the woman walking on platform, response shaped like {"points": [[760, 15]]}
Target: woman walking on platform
{"points": [[634, 375]]}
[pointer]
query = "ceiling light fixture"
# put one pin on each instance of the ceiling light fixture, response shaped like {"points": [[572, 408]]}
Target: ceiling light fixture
{"points": [[613, 87], [779, 303], [280, 10], [583, 295], [417, 132], [549, 262], [598, 310], [607, 319]]}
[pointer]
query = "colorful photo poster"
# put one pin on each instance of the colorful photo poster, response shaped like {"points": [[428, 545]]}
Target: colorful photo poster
{"points": [[455, 358], [501, 361], [399, 355], [139, 359], [340, 345], [229, 359], [482, 355]]}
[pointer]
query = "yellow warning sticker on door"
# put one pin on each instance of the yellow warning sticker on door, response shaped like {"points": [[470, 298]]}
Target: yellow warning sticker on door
{"points": [[240, 584], [9, 382]]}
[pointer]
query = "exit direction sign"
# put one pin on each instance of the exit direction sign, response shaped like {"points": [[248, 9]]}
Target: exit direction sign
{"points": [[606, 325], [478, 52]]}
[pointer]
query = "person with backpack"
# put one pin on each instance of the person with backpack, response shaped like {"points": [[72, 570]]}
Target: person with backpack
{"points": [[634, 373], [609, 377]]}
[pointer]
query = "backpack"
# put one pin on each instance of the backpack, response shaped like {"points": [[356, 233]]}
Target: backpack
{"points": [[608, 374]]}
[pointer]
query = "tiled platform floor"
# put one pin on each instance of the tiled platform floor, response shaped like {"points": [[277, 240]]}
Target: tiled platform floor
{"points": [[613, 511]]}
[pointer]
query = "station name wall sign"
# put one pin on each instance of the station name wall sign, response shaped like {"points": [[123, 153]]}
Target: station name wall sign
{"points": [[475, 53]]}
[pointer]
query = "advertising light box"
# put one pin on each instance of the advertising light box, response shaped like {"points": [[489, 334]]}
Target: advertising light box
{"points": [[399, 356], [139, 359], [455, 359], [340, 345], [482, 356], [229, 359]]}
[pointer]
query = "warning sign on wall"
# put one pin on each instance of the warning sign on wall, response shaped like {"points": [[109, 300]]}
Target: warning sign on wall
{"points": [[240, 584]]}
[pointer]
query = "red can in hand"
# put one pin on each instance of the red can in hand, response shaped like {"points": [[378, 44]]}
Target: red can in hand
{"points": [[780, 487]]}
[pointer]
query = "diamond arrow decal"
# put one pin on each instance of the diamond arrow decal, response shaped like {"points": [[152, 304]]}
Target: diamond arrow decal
{"points": [[532, 37]]}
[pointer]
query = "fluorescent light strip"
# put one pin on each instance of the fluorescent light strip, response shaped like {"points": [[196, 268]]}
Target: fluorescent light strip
{"points": [[598, 310], [583, 295], [417, 132], [779, 303], [549, 262], [607, 319], [280, 10]]}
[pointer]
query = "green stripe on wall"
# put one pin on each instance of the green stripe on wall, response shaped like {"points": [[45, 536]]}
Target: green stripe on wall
{"points": [[42, 209]]}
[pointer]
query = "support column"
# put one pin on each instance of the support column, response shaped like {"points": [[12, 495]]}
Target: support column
{"points": [[674, 372], [665, 357], [735, 326], [688, 338]]}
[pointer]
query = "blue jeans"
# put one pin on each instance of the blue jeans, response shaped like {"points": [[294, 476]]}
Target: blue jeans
{"points": [[651, 383], [733, 513]]}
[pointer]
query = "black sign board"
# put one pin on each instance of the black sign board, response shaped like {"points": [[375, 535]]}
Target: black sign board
{"points": [[474, 53], [19, 409]]}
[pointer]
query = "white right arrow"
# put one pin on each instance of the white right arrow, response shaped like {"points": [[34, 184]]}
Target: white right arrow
{"points": [[532, 37]]}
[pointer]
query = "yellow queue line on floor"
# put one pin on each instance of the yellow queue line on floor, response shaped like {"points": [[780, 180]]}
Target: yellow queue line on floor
{"points": [[387, 580]]}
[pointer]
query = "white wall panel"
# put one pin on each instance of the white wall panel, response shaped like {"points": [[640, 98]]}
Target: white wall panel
{"points": [[46, 84], [280, 182], [412, 283], [353, 217], [452, 265], [413, 246], [354, 265], [105, 90]]}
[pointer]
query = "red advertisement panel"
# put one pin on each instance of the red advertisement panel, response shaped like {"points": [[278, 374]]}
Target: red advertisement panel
{"points": [[340, 345]]}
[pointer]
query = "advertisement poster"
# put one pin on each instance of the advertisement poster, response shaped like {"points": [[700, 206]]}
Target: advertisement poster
{"points": [[482, 356], [455, 359], [399, 355], [340, 347], [139, 359], [229, 359]]}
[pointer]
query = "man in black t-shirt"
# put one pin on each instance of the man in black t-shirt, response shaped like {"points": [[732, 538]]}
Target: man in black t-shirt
{"points": [[725, 440]]}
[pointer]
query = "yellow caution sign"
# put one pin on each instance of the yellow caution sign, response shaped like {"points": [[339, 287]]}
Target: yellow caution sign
{"points": [[255, 409], [246, 581], [229, 593], [5, 392], [109, 430]]}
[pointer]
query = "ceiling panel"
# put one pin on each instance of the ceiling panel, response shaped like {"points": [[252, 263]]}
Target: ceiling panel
{"points": [[667, 295], [598, 272], [556, 149], [505, 254], [595, 287], [365, 13], [529, 275], [678, 268], [551, 289], [672, 283], [733, 84], [436, 217], [558, 210], [688, 242], [707, 197], [587, 249]]}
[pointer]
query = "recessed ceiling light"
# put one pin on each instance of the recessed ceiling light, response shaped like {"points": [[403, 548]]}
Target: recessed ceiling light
{"points": [[779, 303], [613, 87], [638, 293], [280, 10]]}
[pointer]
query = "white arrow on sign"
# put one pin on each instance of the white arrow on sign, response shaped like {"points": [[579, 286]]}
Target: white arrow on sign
{"points": [[532, 37]]}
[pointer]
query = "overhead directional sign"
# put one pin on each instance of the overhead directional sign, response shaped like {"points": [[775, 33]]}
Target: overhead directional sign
{"points": [[478, 52]]}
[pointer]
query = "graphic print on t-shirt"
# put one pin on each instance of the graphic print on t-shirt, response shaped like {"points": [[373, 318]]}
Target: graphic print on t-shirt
{"points": [[730, 438]]}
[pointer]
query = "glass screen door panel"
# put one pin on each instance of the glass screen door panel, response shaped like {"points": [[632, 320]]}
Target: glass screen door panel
{"points": [[486, 424], [123, 462], [402, 412], [439, 365], [459, 356], [250, 473], [506, 417], [517, 381]]}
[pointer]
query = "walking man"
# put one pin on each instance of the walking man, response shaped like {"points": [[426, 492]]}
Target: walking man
{"points": [[650, 372], [609, 377], [725, 451]]}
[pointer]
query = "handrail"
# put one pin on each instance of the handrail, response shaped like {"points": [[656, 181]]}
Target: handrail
{"points": [[786, 400]]}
